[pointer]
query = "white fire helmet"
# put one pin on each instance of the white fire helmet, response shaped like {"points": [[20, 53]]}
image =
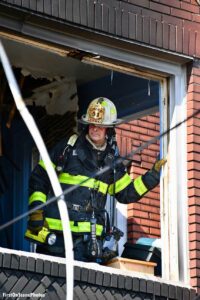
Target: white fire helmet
{"points": [[101, 111]]}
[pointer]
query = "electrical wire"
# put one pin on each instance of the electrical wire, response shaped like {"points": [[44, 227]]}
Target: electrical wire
{"points": [[59, 195], [100, 172], [31, 125]]}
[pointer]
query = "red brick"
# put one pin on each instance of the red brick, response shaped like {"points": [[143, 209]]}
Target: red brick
{"points": [[196, 18], [194, 79], [194, 228], [155, 231], [147, 158], [134, 220], [196, 71], [193, 88], [125, 126], [194, 272], [193, 105], [151, 209], [194, 254], [193, 201], [195, 282], [146, 165], [139, 129], [154, 146], [155, 202], [136, 143], [193, 130], [131, 134], [186, 15], [194, 183], [193, 96], [194, 236], [159, 7], [194, 263], [190, 7], [152, 196], [150, 223], [138, 213], [173, 3], [146, 124], [150, 152], [153, 133], [194, 245], [192, 209], [193, 147], [194, 219], [145, 201], [191, 166], [153, 119], [193, 114], [193, 192], [193, 156], [153, 216], [192, 138], [137, 206], [193, 122], [139, 228], [193, 174], [144, 3]]}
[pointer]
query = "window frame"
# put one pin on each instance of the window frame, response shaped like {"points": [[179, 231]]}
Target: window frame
{"points": [[172, 77]]}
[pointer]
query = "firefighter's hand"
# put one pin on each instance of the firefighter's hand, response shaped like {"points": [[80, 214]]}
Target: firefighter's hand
{"points": [[36, 221], [158, 164]]}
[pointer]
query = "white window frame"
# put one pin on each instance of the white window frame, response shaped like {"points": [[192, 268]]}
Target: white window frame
{"points": [[174, 209], [172, 77], [173, 196]]}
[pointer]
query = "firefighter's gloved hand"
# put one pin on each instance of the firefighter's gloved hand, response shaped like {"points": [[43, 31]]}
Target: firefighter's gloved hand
{"points": [[158, 164], [36, 221]]}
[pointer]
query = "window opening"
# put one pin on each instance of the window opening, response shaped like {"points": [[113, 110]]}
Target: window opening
{"points": [[99, 69]]}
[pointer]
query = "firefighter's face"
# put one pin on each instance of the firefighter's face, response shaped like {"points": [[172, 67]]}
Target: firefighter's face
{"points": [[97, 134]]}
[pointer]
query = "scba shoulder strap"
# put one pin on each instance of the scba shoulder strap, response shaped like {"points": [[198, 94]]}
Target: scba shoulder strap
{"points": [[72, 140], [64, 155]]}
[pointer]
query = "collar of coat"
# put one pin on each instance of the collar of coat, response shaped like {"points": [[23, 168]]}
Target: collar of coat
{"points": [[100, 148]]}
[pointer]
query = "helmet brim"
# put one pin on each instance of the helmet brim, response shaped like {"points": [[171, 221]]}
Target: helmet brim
{"points": [[84, 121]]}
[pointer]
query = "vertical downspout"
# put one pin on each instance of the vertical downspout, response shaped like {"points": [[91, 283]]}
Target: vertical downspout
{"points": [[30, 123]]}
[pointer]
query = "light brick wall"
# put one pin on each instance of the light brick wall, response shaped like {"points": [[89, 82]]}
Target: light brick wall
{"points": [[143, 216]]}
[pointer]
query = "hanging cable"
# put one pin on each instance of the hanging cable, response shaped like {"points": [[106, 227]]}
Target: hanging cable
{"points": [[126, 158], [30, 123]]}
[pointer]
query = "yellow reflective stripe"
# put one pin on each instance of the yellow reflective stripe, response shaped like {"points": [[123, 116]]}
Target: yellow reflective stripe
{"points": [[54, 223], [66, 178], [120, 184], [78, 227], [37, 196], [41, 163], [139, 186], [85, 227]]}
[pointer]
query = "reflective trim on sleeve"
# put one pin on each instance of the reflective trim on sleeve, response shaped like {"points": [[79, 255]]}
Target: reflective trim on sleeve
{"points": [[37, 196], [41, 163], [81, 180], [140, 186], [120, 184], [77, 227]]}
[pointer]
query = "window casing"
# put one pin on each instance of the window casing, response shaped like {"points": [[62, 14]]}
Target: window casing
{"points": [[173, 183]]}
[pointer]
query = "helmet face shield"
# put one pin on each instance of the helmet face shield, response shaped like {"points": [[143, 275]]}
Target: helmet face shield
{"points": [[101, 111]]}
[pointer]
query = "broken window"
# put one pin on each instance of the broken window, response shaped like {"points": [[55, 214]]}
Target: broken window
{"points": [[61, 85]]}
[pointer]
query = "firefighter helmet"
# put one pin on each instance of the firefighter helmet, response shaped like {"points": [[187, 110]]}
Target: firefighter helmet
{"points": [[101, 111]]}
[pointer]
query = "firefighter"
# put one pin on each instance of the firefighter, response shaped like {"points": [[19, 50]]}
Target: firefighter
{"points": [[76, 161]]}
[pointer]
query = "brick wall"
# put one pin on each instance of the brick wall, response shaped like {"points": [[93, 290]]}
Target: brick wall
{"points": [[172, 25], [193, 150], [143, 216]]}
